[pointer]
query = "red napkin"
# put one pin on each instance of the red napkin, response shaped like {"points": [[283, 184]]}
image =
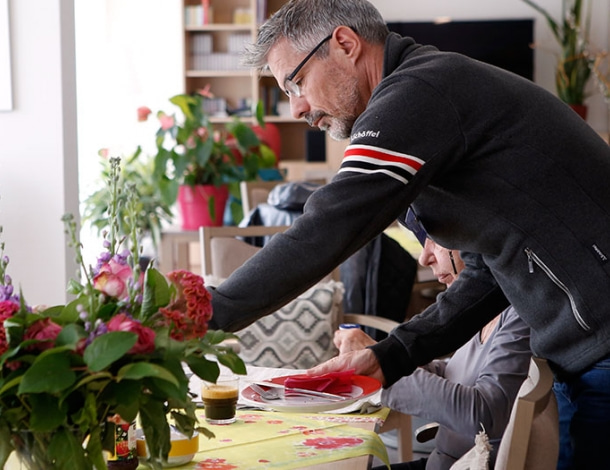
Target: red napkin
{"points": [[333, 382]]}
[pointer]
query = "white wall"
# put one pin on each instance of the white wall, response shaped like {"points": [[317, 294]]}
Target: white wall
{"points": [[38, 160]]}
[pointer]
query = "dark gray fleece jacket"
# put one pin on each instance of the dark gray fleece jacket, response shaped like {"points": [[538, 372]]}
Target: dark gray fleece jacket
{"points": [[494, 166]]}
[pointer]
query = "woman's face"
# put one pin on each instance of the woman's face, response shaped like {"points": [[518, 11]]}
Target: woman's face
{"points": [[439, 259]]}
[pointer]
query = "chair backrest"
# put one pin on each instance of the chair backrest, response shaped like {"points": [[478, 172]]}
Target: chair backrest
{"points": [[253, 193], [531, 438]]}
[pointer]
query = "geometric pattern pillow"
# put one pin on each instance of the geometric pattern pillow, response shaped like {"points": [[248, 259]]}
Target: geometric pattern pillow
{"points": [[300, 334]]}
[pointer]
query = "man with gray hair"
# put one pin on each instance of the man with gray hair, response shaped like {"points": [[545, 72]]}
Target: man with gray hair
{"points": [[490, 164]]}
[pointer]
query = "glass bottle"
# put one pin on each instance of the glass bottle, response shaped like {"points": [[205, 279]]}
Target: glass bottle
{"points": [[125, 455]]}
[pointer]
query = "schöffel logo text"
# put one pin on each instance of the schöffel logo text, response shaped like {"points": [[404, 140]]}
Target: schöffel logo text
{"points": [[361, 134], [600, 254]]}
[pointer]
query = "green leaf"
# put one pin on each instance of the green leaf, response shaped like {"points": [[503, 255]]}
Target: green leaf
{"points": [[52, 312], [94, 448], [140, 370], [123, 397], [107, 348], [156, 429], [185, 423], [218, 336], [156, 293], [70, 335], [203, 368], [244, 135], [5, 442], [70, 313], [46, 414], [260, 113], [50, 373], [232, 361], [67, 452]]}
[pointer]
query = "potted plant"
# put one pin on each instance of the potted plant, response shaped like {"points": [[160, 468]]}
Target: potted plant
{"points": [[575, 61], [196, 162], [151, 211]]}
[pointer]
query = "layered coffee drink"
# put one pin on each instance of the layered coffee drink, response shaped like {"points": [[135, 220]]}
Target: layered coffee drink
{"points": [[220, 400]]}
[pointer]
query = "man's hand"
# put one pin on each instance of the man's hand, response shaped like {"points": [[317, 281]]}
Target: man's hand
{"points": [[363, 362], [353, 339]]}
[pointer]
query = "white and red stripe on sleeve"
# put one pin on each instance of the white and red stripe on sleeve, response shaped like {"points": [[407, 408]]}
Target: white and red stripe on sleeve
{"points": [[369, 159]]}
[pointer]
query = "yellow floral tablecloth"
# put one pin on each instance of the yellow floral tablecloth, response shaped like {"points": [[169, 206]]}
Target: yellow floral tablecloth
{"points": [[264, 439]]}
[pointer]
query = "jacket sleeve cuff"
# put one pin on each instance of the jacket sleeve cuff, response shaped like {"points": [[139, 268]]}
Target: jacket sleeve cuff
{"points": [[393, 359]]}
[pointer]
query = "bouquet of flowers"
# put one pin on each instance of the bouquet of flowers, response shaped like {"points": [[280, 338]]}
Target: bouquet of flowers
{"points": [[122, 347]]}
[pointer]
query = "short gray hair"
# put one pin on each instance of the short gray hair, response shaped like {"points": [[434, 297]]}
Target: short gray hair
{"points": [[304, 23]]}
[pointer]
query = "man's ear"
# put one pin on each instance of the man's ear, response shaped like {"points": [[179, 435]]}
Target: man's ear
{"points": [[348, 42]]}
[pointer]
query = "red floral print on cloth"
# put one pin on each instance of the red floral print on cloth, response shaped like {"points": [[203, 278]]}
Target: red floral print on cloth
{"points": [[7, 310], [333, 442], [215, 464]]}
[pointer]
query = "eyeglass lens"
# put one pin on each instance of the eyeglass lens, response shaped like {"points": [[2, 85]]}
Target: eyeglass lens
{"points": [[413, 224]]}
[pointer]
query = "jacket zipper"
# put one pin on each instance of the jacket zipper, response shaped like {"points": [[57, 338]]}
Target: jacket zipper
{"points": [[533, 258]]}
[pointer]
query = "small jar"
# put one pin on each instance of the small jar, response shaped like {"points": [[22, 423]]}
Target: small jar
{"points": [[125, 456]]}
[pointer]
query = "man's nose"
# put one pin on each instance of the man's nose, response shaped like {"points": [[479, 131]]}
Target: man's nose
{"points": [[298, 106]]}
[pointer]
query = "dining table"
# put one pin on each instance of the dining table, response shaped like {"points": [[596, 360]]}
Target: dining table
{"points": [[261, 437]]}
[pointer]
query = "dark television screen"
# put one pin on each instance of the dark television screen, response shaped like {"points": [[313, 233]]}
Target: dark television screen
{"points": [[504, 43]]}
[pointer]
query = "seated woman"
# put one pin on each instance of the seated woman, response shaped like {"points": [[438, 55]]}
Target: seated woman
{"points": [[475, 389]]}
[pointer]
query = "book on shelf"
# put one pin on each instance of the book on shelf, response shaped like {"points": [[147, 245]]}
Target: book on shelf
{"points": [[207, 12], [261, 11]]}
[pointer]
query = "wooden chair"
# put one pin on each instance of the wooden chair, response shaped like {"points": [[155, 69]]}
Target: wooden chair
{"points": [[531, 439], [222, 252], [254, 193]]}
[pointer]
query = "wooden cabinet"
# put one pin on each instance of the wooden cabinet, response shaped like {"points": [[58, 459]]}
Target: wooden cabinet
{"points": [[214, 34]]}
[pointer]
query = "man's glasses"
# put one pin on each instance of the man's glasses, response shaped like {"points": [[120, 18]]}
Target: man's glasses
{"points": [[413, 224], [292, 88]]}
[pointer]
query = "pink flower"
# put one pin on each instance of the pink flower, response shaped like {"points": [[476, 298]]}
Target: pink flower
{"points": [[205, 91], [43, 330], [104, 153], [188, 313], [7, 310], [167, 122], [146, 336], [143, 113], [112, 279]]}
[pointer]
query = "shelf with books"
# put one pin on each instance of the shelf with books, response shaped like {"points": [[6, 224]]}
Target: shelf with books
{"points": [[212, 47]]}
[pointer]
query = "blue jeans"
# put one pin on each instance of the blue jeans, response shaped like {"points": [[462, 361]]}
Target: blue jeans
{"points": [[584, 419]]}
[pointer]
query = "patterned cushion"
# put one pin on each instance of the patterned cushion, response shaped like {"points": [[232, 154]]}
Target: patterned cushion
{"points": [[300, 334]]}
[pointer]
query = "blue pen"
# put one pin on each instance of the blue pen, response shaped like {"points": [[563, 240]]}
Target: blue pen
{"points": [[348, 326]]}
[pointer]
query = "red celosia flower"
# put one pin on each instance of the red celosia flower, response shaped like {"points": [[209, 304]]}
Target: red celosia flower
{"points": [[188, 314], [7, 310], [146, 336], [43, 330]]}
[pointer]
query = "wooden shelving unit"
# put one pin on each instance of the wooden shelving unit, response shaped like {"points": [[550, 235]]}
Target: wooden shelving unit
{"points": [[211, 52]]}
